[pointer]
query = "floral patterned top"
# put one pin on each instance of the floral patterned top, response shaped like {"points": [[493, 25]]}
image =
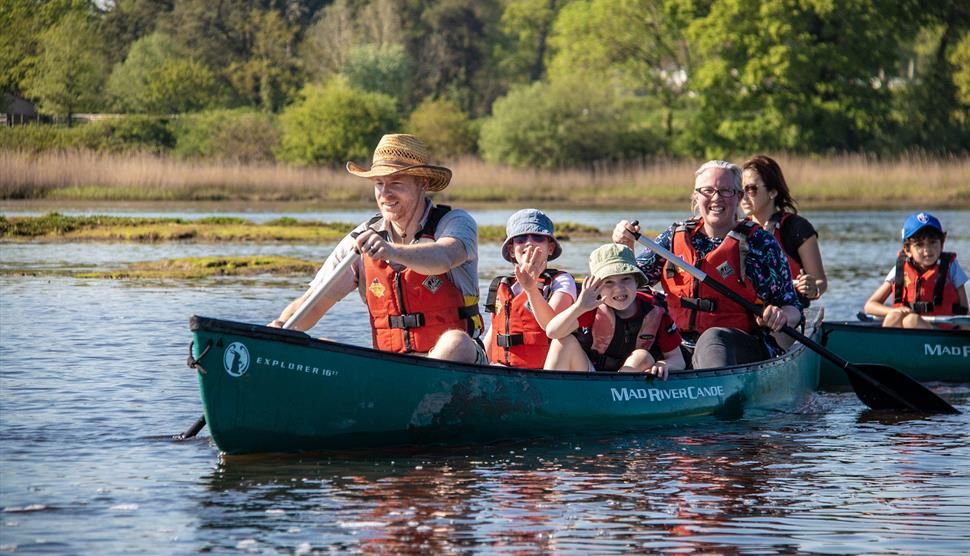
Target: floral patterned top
{"points": [[765, 264]]}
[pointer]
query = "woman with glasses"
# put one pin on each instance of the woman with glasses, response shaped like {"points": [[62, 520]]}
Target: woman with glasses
{"points": [[522, 304], [739, 254], [768, 202]]}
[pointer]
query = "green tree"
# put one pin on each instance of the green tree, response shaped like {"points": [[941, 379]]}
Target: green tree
{"points": [[444, 127], [567, 122], [128, 85], [960, 58], [179, 85], [269, 75], [126, 21], [333, 123], [381, 69], [23, 23], [527, 26], [798, 75], [69, 70], [638, 43], [930, 111], [449, 43]]}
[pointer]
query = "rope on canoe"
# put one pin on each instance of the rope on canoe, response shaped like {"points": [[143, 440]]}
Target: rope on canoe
{"points": [[196, 363]]}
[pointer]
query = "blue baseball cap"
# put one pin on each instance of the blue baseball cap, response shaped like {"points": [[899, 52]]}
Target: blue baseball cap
{"points": [[918, 221], [529, 221]]}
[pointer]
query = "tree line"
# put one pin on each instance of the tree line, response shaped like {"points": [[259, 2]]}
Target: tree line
{"points": [[548, 83]]}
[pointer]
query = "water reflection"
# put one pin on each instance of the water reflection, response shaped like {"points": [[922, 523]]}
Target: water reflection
{"points": [[772, 490]]}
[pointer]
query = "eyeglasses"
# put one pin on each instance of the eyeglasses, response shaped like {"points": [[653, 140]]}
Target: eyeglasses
{"points": [[751, 190], [537, 238], [710, 191]]}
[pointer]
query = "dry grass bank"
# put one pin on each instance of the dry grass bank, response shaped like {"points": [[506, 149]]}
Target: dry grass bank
{"points": [[845, 181]]}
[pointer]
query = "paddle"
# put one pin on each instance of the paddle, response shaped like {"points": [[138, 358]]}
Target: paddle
{"points": [[957, 320], [321, 291], [878, 386]]}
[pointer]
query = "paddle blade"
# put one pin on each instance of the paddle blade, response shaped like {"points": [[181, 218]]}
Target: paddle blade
{"points": [[883, 387]]}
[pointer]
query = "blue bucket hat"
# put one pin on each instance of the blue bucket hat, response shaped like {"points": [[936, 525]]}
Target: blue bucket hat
{"points": [[918, 221], [529, 221]]}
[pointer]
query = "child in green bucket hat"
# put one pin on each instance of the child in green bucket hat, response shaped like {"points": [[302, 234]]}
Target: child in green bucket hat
{"points": [[612, 326]]}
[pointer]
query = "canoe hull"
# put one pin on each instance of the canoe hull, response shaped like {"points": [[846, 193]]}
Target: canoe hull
{"points": [[270, 390], [925, 355]]}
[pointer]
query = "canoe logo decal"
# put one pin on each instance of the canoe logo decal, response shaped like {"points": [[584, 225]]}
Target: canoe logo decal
{"points": [[937, 350], [660, 394], [377, 288], [235, 359]]}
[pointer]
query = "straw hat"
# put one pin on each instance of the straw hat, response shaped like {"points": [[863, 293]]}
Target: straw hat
{"points": [[398, 153]]}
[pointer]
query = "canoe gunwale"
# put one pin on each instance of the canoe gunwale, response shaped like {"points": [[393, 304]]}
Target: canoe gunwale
{"points": [[876, 327], [212, 325]]}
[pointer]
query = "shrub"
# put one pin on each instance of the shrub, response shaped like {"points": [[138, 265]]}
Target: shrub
{"points": [[444, 127], [566, 122], [133, 133], [243, 135], [333, 123]]}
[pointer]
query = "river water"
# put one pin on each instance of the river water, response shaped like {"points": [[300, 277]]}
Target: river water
{"points": [[92, 380]]}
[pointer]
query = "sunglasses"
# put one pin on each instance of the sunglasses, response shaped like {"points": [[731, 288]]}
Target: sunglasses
{"points": [[751, 190], [710, 191], [537, 238]]}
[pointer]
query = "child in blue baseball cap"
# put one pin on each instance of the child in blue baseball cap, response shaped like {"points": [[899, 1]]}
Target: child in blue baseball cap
{"points": [[925, 281]]}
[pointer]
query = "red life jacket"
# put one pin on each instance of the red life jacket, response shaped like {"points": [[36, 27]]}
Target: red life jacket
{"points": [[775, 224], [638, 333], [694, 306], [392, 294], [929, 292], [516, 339]]}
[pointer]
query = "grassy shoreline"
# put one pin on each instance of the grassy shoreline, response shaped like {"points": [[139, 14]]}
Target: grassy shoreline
{"points": [[56, 227], [62, 179]]}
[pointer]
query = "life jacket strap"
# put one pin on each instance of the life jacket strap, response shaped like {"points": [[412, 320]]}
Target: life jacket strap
{"points": [[509, 340], [699, 304], [411, 320]]}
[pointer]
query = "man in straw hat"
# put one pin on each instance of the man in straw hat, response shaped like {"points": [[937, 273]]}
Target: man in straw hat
{"points": [[418, 270]]}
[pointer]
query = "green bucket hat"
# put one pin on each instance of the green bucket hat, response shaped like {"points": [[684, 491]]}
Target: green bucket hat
{"points": [[613, 259]]}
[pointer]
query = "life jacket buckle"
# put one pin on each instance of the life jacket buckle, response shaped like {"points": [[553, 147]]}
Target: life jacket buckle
{"points": [[509, 340], [411, 320], [699, 304], [923, 307]]}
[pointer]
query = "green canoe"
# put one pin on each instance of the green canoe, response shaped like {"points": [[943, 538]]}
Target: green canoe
{"points": [[925, 355], [272, 390]]}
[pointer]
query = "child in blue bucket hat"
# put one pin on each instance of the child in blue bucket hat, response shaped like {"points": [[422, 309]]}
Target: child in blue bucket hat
{"points": [[612, 326], [523, 303], [925, 280]]}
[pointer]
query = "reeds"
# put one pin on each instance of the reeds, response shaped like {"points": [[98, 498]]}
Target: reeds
{"points": [[849, 181]]}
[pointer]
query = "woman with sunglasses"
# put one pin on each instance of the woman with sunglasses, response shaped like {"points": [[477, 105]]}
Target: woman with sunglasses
{"points": [[740, 255], [768, 202], [522, 304]]}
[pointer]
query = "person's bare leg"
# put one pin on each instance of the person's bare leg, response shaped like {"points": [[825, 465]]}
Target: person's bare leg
{"points": [[913, 320], [566, 355], [893, 320]]}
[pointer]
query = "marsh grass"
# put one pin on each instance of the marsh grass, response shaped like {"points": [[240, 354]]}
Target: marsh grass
{"points": [[57, 227], [834, 182], [190, 268]]}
